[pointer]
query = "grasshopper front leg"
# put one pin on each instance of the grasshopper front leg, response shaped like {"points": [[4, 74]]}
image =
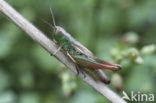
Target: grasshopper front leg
{"points": [[57, 50]]}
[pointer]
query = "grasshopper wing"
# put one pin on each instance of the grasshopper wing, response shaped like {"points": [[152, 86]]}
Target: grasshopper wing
{"points": [[107, 63], [90, 63]]}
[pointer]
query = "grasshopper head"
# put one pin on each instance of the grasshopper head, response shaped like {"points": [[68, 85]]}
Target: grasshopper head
{"points": [[59, 30]]}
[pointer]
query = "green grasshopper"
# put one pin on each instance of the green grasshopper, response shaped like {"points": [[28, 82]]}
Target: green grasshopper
{"points": [[79, 54]]}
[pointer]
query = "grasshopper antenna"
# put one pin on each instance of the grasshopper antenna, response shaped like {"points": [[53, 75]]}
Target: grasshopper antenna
{"points": [[46, 22], [52, 14]]}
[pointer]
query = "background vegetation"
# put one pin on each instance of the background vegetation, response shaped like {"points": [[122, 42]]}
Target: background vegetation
{"points": [[122, 31]]}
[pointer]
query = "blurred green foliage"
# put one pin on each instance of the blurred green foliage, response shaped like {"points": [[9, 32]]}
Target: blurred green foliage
{"points": [[122, 31]]}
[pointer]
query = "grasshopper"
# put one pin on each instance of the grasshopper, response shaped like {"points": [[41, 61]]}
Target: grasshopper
{"points": [[79, 54]]}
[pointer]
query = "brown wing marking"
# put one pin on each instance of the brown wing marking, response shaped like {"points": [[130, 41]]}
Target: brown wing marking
{"points": [[107, 63], [91, 63]]}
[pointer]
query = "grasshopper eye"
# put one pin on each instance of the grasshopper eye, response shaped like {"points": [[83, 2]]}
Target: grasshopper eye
{"points": [[57, 31]]}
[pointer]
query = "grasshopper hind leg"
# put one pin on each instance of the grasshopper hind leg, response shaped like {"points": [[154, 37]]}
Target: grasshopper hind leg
{"points": [[102, 76], [78, 69]]}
